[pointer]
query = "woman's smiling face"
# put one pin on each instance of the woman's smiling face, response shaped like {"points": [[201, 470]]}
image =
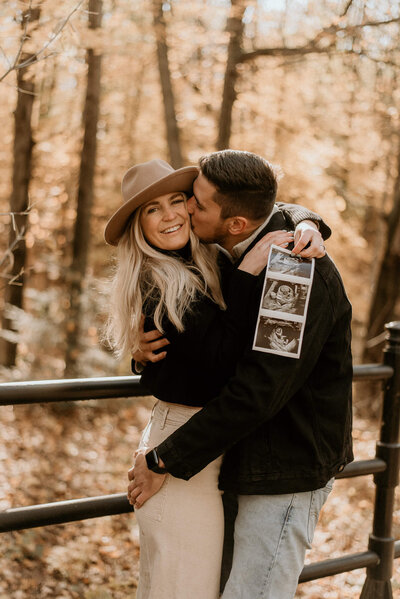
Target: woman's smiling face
{"points": [[165, 221]]}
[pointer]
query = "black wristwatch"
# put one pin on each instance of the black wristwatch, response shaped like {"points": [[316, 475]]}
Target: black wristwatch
{"points": [[153, 460]]}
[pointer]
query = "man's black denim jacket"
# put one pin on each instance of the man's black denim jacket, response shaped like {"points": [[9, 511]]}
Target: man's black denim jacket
{"points": [[284, 423]]}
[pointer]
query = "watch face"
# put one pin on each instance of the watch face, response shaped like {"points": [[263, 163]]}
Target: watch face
{"points": [[152, 460], [154, 457]]}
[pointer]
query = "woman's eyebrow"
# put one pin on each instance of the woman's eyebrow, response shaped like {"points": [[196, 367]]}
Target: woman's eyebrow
{"points": [[151, 203]]}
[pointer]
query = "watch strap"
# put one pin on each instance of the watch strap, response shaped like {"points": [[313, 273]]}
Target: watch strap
{"points": [[153, 460]]}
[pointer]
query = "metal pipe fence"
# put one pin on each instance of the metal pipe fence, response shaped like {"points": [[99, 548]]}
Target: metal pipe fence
{"points": [[382, 548]]}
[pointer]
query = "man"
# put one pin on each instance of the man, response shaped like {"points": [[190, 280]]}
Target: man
{"points": [[284, 423]]}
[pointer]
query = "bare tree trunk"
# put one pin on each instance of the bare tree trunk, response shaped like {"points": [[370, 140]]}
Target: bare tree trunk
{"points": [[281, 134], [132, 110], [19, 200], [235, 28], [173, 135], [323, 42], [387, 289], [85, 196]]}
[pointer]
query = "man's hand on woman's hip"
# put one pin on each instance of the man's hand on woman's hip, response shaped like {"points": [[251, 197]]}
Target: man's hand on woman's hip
{"points": [[144, 483]]}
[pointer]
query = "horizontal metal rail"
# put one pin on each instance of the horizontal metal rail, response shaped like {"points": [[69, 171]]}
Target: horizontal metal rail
{"points": [[338, 565], [108, 505], [118, 386], [330, 567], [61, 512], [372, 372], [115, 387], [71, 390], [362, 467]]}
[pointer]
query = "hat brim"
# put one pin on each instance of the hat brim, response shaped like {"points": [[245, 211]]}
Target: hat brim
{"points": [[180, 180]]}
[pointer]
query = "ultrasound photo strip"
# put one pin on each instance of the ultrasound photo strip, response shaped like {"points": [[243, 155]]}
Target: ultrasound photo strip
{"points": [[285, 296], [285, 266], [284, 304]]}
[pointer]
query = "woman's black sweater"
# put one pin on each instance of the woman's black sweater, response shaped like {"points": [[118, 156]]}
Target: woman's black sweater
{"points": [[211, 344]]}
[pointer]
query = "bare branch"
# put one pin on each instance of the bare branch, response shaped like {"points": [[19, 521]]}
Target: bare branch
{"points": [[23, 39], [346, 9], [38, 55], [24, 36], [56, 33], [282, 51], [8, 255], [350, 29], [12, 214], [19, 236], [311, 47], [5, 56], [298, 58], [12, 280], [370, 24]]}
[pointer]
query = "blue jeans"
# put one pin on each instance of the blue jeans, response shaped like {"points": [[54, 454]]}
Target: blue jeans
{"points": [[272, 533]]}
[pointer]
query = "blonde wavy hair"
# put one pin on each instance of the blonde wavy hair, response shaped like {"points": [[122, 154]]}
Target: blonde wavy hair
{"points": [[146, 276]]}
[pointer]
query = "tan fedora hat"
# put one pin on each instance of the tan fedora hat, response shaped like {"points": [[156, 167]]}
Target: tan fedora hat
{"points": [[144, 182]]}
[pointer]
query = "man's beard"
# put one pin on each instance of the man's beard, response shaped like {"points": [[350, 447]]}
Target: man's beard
{"points": [[219, 235]]}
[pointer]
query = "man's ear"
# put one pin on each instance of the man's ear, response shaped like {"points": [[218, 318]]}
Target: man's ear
{"points": [[237, 225]]}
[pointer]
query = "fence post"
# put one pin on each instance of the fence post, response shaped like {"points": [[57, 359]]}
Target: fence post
{"points": [[377, 584]]}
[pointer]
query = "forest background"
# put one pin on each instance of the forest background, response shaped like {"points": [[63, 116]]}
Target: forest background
{"points": [[90, 87]]}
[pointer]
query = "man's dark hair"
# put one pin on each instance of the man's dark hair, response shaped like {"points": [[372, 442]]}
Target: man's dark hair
{"points": [[246, 184]]}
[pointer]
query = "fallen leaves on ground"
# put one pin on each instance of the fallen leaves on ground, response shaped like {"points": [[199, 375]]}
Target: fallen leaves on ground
{"points": [[52, 453]]}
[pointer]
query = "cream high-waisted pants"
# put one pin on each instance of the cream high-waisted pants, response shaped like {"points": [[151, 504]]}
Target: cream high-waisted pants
{"points": [[182, 526]]}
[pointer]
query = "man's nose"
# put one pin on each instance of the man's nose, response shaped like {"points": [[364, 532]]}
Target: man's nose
{"points": [[190, 205]]}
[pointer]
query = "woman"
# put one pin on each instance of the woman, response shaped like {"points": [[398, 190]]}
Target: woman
{"points": [[164, 272]]}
